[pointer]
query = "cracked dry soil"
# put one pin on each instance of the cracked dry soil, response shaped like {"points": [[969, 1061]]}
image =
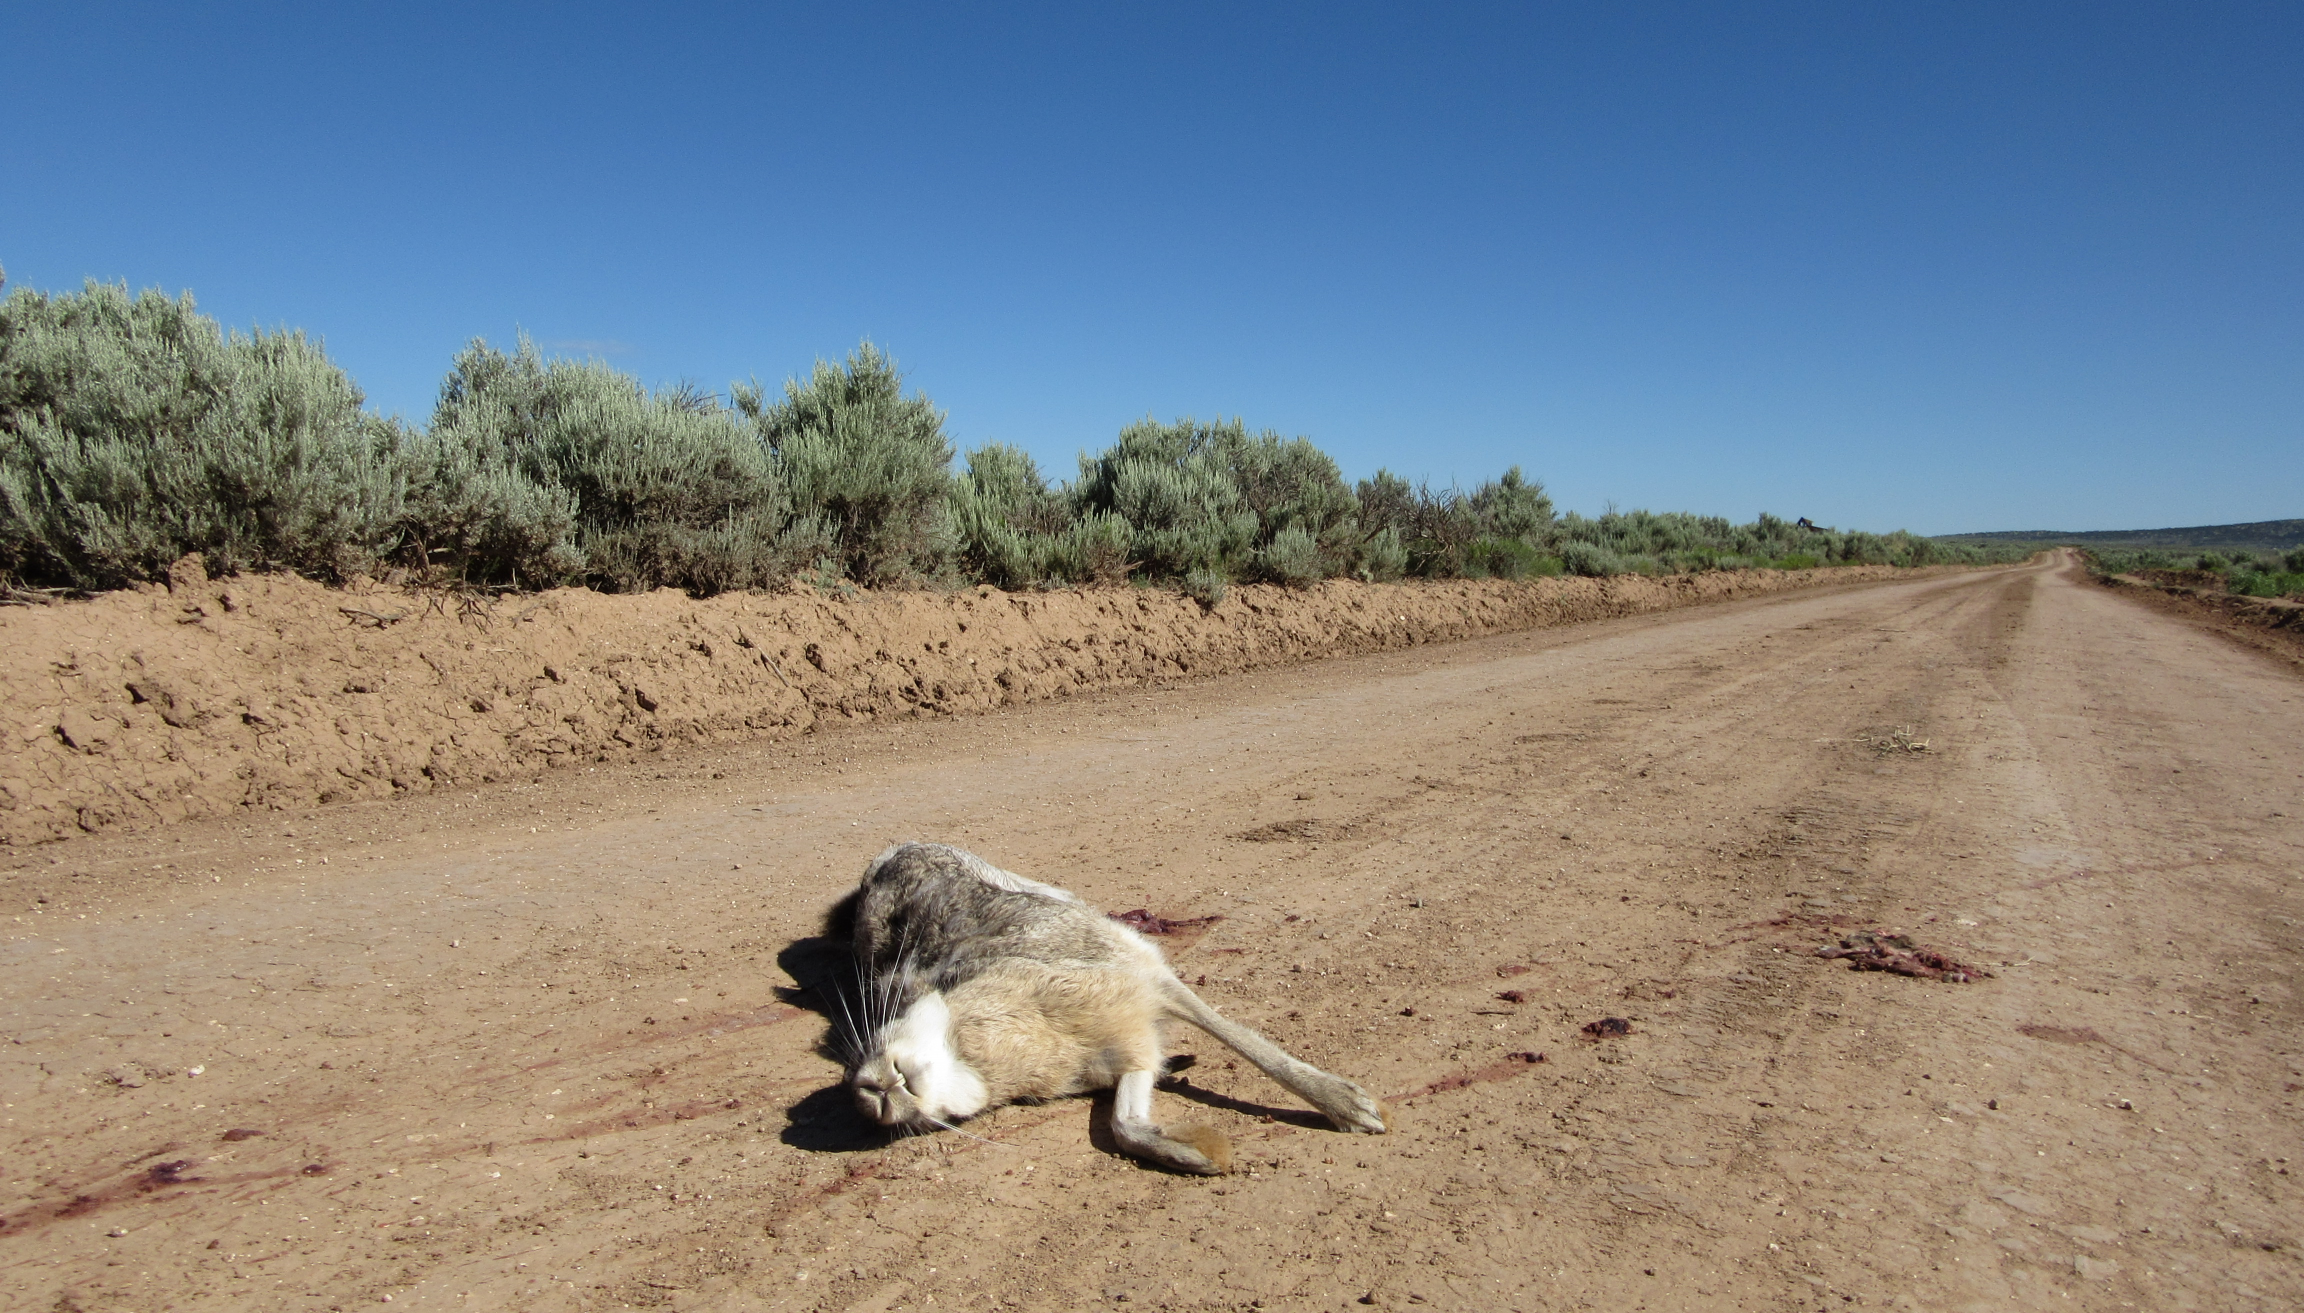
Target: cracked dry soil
{"points": [[548, 1046]]}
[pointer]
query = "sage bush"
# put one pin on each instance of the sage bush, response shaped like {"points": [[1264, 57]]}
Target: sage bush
{"points": [[134, 429]]}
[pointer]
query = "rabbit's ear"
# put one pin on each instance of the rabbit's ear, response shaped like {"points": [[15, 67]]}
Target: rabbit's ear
{"points": [[840, 919]]}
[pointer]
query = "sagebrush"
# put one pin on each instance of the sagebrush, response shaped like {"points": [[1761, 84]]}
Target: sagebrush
{"points": [[2239, 572], [135, 430]]}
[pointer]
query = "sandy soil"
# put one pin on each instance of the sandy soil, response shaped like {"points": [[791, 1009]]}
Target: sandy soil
{"points": [[545, 1045]]}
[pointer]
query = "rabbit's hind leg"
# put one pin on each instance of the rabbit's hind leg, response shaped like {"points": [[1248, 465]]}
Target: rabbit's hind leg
{"points": [[1202, 1150], [1350, 1107]]}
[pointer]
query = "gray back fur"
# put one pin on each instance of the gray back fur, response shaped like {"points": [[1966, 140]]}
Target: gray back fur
{"points": [[931, 917]]}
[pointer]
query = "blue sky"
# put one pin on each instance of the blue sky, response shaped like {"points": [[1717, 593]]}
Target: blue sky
{"points": [[1941, 267]]}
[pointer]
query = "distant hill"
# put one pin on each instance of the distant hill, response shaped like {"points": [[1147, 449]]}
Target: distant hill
{"points": [[2262, 536]]}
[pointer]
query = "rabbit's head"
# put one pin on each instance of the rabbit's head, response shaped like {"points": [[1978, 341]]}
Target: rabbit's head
{"points": [[912, 1076]]}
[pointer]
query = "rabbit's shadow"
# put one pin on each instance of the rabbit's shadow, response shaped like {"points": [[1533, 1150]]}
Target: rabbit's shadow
{"points": [[1182, 1087], [827, 1121], [1100, 1117]]}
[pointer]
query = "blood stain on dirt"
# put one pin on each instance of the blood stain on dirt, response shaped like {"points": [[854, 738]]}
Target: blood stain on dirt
{"points": [[1514, 1064], [2084, 1035], [168, 1173], [1182, 932], [1146, 922], [2061, 1034], [1898, 955], [139, 1185], [1305, 831]]}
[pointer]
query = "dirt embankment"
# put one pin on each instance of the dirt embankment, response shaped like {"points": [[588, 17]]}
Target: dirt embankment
{"points": [[2269, 624], [159, 704]]}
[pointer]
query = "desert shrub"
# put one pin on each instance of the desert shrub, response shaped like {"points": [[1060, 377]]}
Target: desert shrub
{"points": [[1204, 586], [704, 559], [1013, 530], [2244, 573], [992, 552], [1574, 527], [1772, 536], [2264, 576], [1493, 557], [1913, 550], [1435, 529], [1589, 559], [472, 514], [1184, 520], [1514, 507], [1214, 497], [134, 430], [1381, 557], [1006, 481], [993, 502], [1669, 535], [1171, 485], [870, 464], [1387, 501], [665, 491], [2114, 561], [1092, 550], [1292, 485], [1856, 548], [2269, 583], [1293, 557]]}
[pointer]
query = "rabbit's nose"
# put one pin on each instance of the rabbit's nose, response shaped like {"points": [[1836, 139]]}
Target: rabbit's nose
{"points": [[878, 1102]]}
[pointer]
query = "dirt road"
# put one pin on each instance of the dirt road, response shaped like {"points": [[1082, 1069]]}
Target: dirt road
{"points": [[542, 1046]]}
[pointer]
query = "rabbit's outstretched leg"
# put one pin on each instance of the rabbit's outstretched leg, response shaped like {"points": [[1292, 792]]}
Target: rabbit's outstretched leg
{"points": [[1199, 1149], [1347, 1105]]}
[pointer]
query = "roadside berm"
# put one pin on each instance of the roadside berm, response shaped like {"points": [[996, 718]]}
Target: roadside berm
{"points": [[210, 695]]}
